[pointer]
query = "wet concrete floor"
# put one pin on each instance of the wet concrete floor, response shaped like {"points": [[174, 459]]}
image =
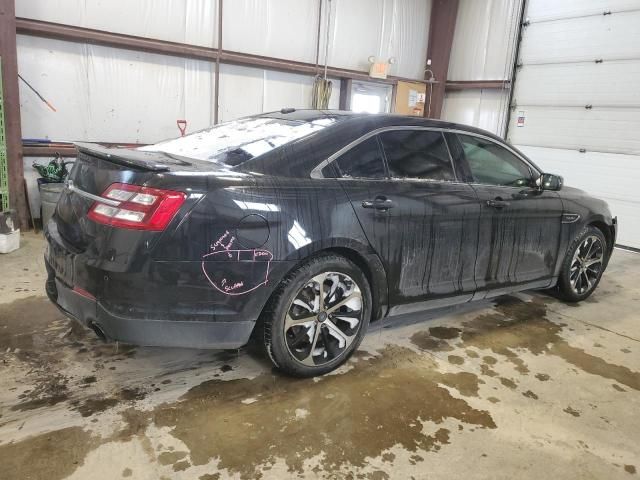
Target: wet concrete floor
{"points": [[522, 387]]}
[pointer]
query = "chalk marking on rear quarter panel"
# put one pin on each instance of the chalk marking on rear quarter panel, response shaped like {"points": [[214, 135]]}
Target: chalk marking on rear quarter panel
{"points": [[223, 247]]}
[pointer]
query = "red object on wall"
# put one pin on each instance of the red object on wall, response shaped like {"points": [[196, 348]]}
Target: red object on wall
{"points": [[182, 126]]}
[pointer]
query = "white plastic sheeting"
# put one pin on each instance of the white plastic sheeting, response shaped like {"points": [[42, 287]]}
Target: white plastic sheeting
{"points": [[379, 28], [358, 29], [115, 95], [484, 40], [110, 95], [481, 108], [276, 28], [596, 148], [187, 21], [246, 91], [102, 97]]}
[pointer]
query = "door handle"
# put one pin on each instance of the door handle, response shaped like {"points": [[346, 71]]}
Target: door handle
{"points": [[497, 203], [379, 203]]}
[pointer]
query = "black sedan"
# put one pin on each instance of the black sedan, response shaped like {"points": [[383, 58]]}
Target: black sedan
{"points": [[307, 225]]}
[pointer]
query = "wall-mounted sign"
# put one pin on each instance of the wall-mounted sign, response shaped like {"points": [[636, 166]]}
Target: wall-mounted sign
{"points": [[413, 98], [520, 119]]}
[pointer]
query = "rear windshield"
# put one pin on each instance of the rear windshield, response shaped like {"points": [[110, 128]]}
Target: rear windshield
{"points": [[233, 143]]}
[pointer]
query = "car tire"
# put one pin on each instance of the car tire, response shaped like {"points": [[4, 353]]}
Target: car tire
{"points": [[305, 337], [583, 265]]}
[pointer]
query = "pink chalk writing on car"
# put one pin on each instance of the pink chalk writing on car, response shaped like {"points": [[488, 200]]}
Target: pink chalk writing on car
{"points": [[250, 266]]}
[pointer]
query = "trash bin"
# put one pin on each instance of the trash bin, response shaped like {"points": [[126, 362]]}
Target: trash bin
{"points": [[49, 195]]}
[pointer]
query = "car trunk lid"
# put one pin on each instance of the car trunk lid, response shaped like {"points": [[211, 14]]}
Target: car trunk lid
{"points": [[95, 169]]}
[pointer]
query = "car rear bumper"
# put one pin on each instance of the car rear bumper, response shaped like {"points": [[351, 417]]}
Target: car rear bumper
{"points": [[137, 308], [167, 333]]}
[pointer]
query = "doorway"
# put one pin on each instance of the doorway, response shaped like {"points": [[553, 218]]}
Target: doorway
{"points": [[368, 97]]}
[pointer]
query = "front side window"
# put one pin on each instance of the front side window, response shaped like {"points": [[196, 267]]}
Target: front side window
{"points": [[418, 154], [362, 161], [492, 164]]}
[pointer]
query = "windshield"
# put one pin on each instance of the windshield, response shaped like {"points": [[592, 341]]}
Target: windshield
{"points": [[235, 142]]}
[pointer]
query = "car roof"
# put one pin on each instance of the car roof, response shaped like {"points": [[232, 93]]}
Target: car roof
{"points": [[371, 120]]}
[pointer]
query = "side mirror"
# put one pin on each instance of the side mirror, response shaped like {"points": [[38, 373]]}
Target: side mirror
{"points": [[549, 181]]}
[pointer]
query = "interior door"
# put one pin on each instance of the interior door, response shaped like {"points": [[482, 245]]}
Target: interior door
{"points": [[520, 225], [422, 222]]}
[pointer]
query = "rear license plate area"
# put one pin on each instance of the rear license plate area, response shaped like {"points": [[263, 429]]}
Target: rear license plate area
{"points": [[61, 261]]}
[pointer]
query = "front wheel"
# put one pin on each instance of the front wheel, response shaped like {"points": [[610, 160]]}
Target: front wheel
{"points": [[583, 265], [318, 316]]}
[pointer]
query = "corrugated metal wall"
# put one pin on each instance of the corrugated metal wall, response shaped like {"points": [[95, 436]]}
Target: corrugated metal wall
{"points": [[578, 92]]}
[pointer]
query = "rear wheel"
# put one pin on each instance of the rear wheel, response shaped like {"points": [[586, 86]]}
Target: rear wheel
{"points": [[318, 316], [583, 265]]}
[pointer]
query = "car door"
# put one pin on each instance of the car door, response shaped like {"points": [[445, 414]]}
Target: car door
{"points": [[520, 224], [415, 214]]}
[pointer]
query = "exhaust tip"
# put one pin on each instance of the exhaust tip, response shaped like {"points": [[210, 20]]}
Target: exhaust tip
{"points": [[97, 329]]}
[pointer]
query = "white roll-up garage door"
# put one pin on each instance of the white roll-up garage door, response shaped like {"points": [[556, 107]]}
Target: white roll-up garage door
{"points": [[577, 100]]}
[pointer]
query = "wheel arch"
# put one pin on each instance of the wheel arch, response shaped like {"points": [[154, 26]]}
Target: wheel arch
{"points": [[359, 254], [607, 230], [373, 269]]}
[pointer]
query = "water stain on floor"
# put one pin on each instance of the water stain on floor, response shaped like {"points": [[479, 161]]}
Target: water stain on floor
{"points": [[37, 336], [50, 456], [22, 320], [382, 402], [424, 341], [516, 326], [519, 325], [444, 333]]}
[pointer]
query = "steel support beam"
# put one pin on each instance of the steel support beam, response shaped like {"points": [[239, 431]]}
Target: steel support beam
{"points": [[441, 28], [13, 133], [345, 94], [216, 92], [71, 33]]}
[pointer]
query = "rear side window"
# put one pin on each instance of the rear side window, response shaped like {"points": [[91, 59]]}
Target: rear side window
{"points": [[492, 164], [419, 154], [238, 141], [362, 161]]}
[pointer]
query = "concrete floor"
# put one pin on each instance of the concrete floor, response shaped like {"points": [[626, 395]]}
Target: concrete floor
{"points": [[526, 387]]}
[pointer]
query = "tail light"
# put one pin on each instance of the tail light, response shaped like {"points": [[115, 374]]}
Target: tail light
{"points": [[136, 207]]}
